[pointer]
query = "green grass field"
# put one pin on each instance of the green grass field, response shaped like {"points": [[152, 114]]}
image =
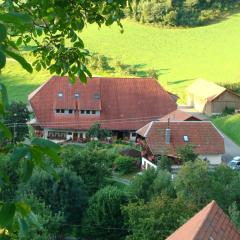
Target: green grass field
{"points": [[180, 55], [230, 125]]}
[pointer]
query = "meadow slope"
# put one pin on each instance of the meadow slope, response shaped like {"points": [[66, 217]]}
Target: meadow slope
{"points": [[180, 55], [230, 125]]}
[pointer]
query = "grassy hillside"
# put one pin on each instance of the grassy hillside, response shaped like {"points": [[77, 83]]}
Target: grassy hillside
{"points": [[180, 55], [230, 125]]}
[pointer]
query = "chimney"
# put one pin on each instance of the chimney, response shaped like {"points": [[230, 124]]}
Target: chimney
{"points": [[168, 133]]}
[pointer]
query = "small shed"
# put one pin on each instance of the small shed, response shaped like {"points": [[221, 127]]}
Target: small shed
{"points": [[210, 98]]}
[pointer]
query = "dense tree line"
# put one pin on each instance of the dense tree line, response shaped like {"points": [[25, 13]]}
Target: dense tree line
{"points": [[179, 12], [80, 198]]}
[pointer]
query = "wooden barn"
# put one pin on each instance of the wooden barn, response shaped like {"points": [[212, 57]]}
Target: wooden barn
{"points": [[210, 98]]}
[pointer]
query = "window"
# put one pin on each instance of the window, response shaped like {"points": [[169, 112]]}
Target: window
{"points": [[133, 134], [185, 138], [62, 110], [60, 94], [76, 95], [82, 111], [88, 112], [70, 111], [57, 110], [97, 96], [93, 112]]}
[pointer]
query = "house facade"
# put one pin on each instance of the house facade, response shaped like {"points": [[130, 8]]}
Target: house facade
{"points": [[65, 111], [164, 138], [211, 98]]}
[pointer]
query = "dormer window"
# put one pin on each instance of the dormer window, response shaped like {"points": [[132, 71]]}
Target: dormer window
{"points": [[60, 94], [70, 111], [186, 138], [76, 95], [97, 96], [88, 112]]}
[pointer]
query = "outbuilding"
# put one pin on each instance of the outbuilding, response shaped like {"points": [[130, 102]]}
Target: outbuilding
{"points": [[210, 98]]}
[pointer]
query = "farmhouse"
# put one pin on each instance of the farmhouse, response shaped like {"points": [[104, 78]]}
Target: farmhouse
{"points": [[211, 223], [164, 138], [211, 98], [121, 105], [179, 115]]}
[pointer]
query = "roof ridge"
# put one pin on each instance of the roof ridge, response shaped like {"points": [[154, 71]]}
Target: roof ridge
{"points": [[211, 205]]}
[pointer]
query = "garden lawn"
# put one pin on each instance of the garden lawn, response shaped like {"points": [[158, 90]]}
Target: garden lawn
{"points": [[230, 125], [179, 55]]}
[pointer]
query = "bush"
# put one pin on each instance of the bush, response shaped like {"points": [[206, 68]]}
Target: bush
{"points": [[50, 222], [90, 164], [164, 163], [186, 153], [103, 218], [67, 194], [98, 62], [125, 164], [228, 111], [152, 73], [208, 15]]}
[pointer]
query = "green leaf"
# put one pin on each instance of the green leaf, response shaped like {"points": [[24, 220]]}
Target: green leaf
{"points": [[38, 67], [45, 143], [2, 60], [7, 213], [23, 208], [27, 169], [19, 153], [19, 41], [15, 18], [4, 96], [53, 155], [19, 59], [33, 219], [82, 76], [5, 132], [23, 227], [87, 71], [3, 32]]}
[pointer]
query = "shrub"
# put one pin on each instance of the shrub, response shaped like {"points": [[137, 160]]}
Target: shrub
{"points": [[186, 153], [98, 62], [67, 195], [228, 111], [152, 73], [103, 219], [90, 164], [125, 164], [164, 163], [50, 222], [208, 15]]}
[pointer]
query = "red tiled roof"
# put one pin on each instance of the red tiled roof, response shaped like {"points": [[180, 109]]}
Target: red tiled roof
{"points": [[201, 134], [125, 103], [211, 223], [179, 115]]}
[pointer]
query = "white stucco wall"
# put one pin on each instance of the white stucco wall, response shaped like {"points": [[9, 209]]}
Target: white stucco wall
{"points": [[214, 159]]}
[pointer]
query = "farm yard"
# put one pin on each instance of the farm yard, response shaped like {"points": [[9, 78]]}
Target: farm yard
{"points": [[179, 55]]}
